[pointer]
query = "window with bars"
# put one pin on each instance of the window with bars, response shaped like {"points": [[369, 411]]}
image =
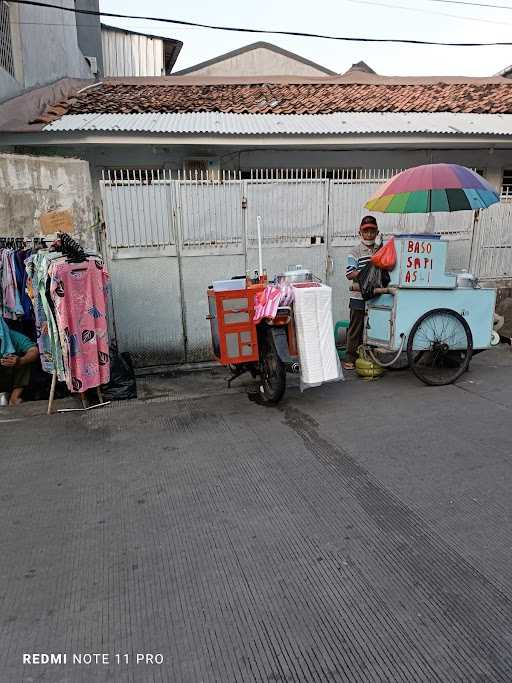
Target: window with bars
{"points": [[506, 184], [193, 166], [202, 168], [6, 56]]}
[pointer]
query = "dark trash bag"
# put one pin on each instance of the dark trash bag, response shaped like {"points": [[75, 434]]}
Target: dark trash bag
{"points": [[370, 278], [122, 385]]}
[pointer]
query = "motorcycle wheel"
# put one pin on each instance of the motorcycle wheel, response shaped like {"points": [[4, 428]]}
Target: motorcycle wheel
{"points": [[273, 375]]}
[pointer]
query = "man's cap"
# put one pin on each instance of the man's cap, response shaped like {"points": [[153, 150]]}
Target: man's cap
{"points": [[369, 221]]}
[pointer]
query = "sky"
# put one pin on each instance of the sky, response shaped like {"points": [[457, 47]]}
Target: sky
{"points": [[416, 19]]}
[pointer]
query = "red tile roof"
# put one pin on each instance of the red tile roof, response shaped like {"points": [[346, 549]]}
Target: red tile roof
{"points": [[479, 96]]}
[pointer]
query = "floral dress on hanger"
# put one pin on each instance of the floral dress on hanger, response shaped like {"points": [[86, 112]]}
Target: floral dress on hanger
{"points": [[78, 291]]}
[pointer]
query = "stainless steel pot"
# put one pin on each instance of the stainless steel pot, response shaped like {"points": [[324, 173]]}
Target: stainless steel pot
{"points": [[466, 280], [298, 275]]}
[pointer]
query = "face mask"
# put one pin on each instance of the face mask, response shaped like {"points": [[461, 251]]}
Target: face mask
{"points": [[368, 243]]}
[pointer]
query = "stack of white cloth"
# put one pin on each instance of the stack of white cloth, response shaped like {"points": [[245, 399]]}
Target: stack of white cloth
{"points": [[319, 360]]}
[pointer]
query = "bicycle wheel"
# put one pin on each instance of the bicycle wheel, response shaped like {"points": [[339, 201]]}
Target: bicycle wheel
{"points": [[439, 347]]}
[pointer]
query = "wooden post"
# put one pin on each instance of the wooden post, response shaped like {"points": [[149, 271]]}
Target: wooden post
{"points": [[52, 392]]}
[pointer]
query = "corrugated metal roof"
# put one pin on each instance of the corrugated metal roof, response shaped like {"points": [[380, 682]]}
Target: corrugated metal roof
{"points": [[288, 124]]}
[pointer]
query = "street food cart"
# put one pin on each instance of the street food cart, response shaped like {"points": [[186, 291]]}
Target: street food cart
{"points": [[271, 329], [437, 317], [266, 349]]}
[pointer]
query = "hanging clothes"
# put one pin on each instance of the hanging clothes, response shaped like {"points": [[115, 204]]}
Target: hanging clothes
{"points": [[47, 332], [19, 257], [6, 345], [11, 304], [78, 291]]}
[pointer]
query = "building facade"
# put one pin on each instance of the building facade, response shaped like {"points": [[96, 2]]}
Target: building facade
{"points": [[39, 46], [257, 59], [128, 53]]}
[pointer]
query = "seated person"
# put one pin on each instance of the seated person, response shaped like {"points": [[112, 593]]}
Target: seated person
{"points": [[15, 368]]}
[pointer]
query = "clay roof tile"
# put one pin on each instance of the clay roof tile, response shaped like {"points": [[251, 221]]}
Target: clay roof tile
{"points": [[279, 97]]}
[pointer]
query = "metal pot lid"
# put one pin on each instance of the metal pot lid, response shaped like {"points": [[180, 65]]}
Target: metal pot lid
{"points": [[466, 279], [302, 271]]}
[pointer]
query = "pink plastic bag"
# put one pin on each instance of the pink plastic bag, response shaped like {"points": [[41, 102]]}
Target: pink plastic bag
{"points": [[266, 303]]}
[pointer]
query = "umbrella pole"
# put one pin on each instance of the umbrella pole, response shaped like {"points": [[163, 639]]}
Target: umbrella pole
{"points": [[431, 221]]}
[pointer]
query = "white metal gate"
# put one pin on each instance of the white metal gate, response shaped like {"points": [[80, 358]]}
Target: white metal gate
{"points": [[169, 236], [294, 213], [211, 237], [142, 249], [491, 250]]}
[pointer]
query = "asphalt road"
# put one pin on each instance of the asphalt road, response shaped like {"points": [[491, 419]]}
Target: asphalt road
{"points": [[358, 532]]}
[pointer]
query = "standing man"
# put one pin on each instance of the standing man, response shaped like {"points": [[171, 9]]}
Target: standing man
{"points": [[357, 260]]}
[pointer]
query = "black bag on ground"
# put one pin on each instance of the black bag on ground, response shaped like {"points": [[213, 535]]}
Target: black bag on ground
{"points": [[122, 385]]}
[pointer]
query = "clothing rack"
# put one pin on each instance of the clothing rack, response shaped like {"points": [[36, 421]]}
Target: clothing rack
{"points": [[100, 404], [10, 242], [75, 254], [71, 248], [38, 242]]}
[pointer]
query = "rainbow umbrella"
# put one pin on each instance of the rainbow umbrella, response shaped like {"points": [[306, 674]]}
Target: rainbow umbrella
{"points": [[431, 188]]}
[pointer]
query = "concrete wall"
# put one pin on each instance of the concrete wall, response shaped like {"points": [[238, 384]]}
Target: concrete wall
{"points": [[12, 84], [89, 32], [50, 45], [385, 158], [492, 161], [31, 186], [172, 157], [9, 86], [45, 48], [258, 62]]}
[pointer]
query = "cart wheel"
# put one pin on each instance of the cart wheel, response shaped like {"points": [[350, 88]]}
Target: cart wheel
{"points": [[273, 375], [439, 347]]}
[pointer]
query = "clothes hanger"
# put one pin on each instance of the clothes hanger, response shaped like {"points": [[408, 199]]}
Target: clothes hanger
{"points": [[10, 242], [71, 249]]}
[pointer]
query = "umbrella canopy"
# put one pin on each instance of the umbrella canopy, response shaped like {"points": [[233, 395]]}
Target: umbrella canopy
{"points": [[431, 188]]}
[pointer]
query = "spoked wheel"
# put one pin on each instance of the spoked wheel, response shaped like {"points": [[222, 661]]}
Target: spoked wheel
{"points": [[273, 375], [439, 347]]}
